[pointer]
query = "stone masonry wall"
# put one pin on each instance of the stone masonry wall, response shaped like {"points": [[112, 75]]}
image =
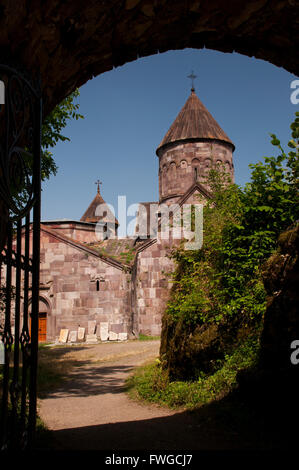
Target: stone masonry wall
{"points": [[152, 287], [152, 278], [84, 233], [180, 163], [69, 280], [68, 43]]}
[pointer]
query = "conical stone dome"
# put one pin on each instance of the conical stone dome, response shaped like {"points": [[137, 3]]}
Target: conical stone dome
{"points": [[194, 121], [193, 145]]}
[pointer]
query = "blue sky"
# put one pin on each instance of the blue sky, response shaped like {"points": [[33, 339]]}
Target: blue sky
{"points": [[128, 111]]}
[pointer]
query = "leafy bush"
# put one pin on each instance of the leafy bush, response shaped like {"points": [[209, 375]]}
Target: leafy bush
{"points": [[151, 383], [222, 281]]}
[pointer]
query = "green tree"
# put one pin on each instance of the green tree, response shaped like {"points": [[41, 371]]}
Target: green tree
{"points": [[222, 282], [52, 128]]}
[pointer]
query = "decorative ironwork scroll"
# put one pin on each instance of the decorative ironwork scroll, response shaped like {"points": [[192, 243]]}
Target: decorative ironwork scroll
{"points": [[20, 177]]}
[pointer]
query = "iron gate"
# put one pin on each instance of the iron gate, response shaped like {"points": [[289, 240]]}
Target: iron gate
{"points": [[20, 176]]}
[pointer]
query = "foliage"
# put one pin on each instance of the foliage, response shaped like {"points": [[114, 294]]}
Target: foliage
{"points": [[52, 127], [222, 282], [142, 337], [152, 383], [127, 256]]}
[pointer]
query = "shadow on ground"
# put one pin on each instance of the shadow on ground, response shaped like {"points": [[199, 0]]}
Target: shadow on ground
{"points": [[228, 424], [95, 380], [81, 375]]}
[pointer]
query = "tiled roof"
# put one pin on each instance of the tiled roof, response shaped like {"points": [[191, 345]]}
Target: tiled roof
{"points": [[194, 122], [90, 214], [122, 250]]}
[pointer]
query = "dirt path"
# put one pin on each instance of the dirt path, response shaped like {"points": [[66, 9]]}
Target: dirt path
{"points": [[90, 410]]}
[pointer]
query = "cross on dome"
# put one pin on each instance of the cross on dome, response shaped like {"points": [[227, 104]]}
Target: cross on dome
{"points": [[192, 77], [98, 182]]}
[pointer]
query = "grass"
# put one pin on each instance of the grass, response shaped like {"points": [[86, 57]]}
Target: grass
{"points": [[53, 366], [142, 337], [50, 370], [151, 382]]}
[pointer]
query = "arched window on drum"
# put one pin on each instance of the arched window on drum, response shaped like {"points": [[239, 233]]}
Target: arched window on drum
{"points": [[172, 173], [227, 166], [183, 165], [196, 168], [163, 179], [207, 166]]}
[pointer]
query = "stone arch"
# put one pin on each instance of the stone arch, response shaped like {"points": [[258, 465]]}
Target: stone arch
{"points": [[77, 41], [207, 164], [172, 175], [172, 168], [183, 165], [227, 165], [195, 164], [163, 179], [44, 302]]}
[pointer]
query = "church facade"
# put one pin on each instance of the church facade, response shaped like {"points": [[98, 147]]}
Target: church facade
{"points": [[125, 282]]}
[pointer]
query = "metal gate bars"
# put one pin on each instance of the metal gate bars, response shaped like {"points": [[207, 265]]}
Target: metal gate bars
{"points": [[20, 176]]}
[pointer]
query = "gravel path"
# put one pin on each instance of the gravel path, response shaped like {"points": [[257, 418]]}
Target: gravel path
{"points": [[90, 410]]}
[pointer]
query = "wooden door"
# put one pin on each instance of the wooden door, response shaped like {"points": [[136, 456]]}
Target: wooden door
{"points": [[42, 327]]}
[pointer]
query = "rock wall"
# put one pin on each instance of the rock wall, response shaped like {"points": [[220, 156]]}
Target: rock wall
{"points": [[186, 350], [272, 387], [281, 324]]}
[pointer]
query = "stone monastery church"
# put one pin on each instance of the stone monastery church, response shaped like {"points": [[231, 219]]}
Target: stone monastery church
{"points": [[124, 282]]}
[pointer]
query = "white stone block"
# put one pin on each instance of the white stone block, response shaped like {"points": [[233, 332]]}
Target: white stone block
{"points": [[91, 339], [113, 336], [104, 331], [123, 336], [81, 334], [72, 337], [91, 327], [63, 335]]}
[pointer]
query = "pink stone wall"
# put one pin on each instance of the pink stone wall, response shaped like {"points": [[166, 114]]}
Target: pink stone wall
{"points": [[153, 279], [180, 162], [69, 275], [152, 287], [83, 233]]}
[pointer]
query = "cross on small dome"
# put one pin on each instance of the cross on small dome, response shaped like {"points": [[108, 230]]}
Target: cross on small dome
{"points": [[98, 182]]}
